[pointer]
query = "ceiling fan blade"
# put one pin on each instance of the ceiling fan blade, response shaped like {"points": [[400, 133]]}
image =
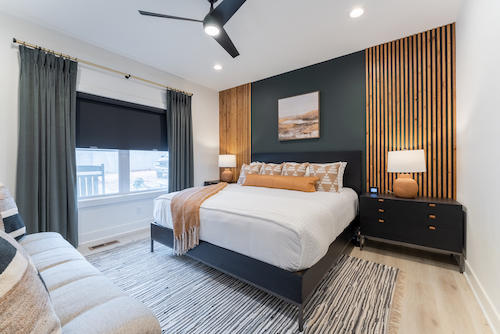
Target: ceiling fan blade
{"points": [[226, 10], [223, 39], [142, 12]]}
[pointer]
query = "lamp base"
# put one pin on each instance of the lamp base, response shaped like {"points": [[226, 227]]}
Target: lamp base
{"points": [[405, 186], [227, 175]]}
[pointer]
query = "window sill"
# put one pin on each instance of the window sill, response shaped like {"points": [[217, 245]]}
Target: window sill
{"points": [[119, 198]]}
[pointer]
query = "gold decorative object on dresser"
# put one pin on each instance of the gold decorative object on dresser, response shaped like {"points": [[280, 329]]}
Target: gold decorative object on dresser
{"points": [[227, 161], [405, 162]]}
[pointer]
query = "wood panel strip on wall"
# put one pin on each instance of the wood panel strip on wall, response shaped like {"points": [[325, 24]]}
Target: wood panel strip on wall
{"points": [[411, 105], [235, 125]]}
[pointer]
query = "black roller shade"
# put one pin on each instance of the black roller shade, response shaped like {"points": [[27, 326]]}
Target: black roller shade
{"points": [[113, 124]]}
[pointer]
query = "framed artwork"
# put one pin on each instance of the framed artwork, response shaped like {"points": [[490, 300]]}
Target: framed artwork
{"points": [[298, 117]]}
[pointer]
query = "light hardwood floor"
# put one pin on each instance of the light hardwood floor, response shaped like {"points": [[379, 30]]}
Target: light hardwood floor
{"points": [[437, 298]]}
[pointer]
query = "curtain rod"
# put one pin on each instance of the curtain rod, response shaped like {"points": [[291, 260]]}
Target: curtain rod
{"points": [[102, 67]]}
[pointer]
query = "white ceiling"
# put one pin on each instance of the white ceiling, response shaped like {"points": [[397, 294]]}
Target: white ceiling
{"points": [[272, 36]]}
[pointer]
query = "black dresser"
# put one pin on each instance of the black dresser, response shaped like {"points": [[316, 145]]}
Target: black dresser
{"points": [[432, 224]]}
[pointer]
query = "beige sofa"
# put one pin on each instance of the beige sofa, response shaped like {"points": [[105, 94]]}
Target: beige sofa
{"points": [[84, 300]]}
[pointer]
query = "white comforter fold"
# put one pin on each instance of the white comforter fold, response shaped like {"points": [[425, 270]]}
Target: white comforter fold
{"points": [[288, 229]]}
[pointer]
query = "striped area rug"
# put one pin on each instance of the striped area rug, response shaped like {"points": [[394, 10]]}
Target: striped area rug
{"points": [[357, 296]]}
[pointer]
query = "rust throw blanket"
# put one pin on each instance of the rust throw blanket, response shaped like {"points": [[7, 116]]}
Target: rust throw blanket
{"points": [[185, 209]]}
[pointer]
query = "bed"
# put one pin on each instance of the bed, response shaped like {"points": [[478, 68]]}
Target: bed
{"points": [[246, 233]]}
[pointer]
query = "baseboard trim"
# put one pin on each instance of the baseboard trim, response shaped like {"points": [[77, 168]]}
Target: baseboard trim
{"points": [[489, 310], [139, 233]]}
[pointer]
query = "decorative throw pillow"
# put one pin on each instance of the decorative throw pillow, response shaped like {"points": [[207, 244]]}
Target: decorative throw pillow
{"points": [[300, 183], [271, 169], [11, 221], [328, 176], [294, 169], [341, 175], [24, 303], [252, 168]]}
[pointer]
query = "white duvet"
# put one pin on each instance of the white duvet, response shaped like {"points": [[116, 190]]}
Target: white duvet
{"points": [[285, 228]]}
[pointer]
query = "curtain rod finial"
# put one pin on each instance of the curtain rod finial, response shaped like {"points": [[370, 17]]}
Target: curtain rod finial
{"points": [[14, 40]]}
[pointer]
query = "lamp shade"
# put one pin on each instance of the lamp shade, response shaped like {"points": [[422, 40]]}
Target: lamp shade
{"points": [[227, 160], [410, 161]]}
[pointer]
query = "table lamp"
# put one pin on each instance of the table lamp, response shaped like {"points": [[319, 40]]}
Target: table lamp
{"points": [[405, 162], [227, 161]]}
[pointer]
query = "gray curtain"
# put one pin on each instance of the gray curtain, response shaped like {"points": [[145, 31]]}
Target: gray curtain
{"points": [[46, 172], [180, 141]]}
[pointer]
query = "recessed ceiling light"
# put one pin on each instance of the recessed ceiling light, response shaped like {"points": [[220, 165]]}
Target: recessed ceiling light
{"points": [[356, 12], [217, 67]]}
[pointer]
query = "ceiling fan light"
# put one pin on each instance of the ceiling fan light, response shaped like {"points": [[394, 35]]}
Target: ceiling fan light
{"points": [[356, 12], [212, 30]]}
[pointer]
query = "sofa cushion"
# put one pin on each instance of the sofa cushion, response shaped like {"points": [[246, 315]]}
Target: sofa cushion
{"points": [[68, 272], [122, 315], [73, 299], [25, 306], [37, 246], [54, 257], [39, 236]]}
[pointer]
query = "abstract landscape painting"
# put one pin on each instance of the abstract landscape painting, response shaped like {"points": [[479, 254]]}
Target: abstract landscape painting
{"points": [[298, 117]]}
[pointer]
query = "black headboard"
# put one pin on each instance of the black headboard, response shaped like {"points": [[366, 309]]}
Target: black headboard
{"points": [[352, 174]]}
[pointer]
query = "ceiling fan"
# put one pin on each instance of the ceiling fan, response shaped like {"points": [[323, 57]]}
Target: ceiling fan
{"points": [[214, 22]]}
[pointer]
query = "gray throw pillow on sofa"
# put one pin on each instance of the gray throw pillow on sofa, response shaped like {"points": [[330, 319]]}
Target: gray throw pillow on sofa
{"points": [[11, 221]]}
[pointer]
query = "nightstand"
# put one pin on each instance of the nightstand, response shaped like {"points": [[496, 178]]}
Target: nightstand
{"points": [[208, 183], [431, 224]]}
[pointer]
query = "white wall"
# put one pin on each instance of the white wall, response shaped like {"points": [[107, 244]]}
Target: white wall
{"points": [[478, 129], [102, 221]]}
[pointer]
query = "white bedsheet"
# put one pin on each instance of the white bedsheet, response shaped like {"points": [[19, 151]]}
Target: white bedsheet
{"points": [[285, 228]]}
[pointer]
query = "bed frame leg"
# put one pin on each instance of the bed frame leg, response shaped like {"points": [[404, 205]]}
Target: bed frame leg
{"points": [[152, 245], [301, 318]]}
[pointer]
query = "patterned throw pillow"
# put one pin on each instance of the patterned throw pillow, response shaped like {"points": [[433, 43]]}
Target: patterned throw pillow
{"points": [[11, 221], [25, 304], [271, 169], [328, 176], [294, 169], [252, 168]]}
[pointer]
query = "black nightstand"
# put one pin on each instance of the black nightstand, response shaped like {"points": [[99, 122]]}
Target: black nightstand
{"points": [[208, 183], [436, 225]]}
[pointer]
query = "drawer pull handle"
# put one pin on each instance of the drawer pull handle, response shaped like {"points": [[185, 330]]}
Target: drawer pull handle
{"points": [[380, 199], [432, 216], [432, 205], [432, 227], [381, 220], [381, 210]]}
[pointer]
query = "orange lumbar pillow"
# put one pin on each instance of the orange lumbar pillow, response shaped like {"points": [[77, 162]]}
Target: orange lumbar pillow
{"points": [[300, 183]]}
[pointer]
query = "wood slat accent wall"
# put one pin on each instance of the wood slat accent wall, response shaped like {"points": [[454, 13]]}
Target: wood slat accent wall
{"points": [[410, 104], [234, 124]]}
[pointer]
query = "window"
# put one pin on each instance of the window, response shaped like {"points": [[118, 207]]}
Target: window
{"points": [[103, 172], [148, 170]]}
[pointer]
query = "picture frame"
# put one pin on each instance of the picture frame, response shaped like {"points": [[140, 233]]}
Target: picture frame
{"points": [[298, 117]]}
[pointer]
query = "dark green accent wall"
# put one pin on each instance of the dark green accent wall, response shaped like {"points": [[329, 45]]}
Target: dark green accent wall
{"points": [[341, 83]]}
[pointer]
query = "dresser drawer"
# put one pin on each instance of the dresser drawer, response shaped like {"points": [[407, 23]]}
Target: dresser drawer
{"points": [[445, 216], [374, 207], [435, 236], [379, 227]]}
